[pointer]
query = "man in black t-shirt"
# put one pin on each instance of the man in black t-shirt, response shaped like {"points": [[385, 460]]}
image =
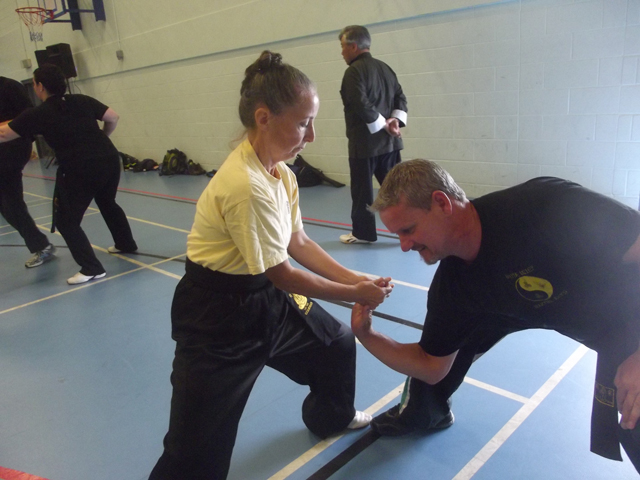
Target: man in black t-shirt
{"points": [[14, 156], [545, 254]]}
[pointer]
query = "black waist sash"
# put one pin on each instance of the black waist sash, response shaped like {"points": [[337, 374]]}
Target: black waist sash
{"points": [[604, 413], [224, 282], [321, 323], [605, 439]]}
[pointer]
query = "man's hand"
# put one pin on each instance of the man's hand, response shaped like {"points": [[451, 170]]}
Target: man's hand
{"points": [[360, 319], [392, 127], [627, 382]]}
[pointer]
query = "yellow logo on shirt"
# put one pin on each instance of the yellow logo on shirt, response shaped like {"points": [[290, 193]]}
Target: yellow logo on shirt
{"points": [[534, 288]]}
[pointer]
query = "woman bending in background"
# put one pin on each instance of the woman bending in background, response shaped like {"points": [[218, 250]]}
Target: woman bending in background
{"points": [[88, 165]]}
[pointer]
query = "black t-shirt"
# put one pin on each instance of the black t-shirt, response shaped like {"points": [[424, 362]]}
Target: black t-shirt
{"points": [[550, 257], [13, 101], [69, 125]]}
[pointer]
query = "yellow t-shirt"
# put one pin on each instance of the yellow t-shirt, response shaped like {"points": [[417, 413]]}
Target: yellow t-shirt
{"points": [[245, 216]]}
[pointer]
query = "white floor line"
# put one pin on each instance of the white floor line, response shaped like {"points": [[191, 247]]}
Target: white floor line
{"points": [[397, 282], [130, 218], [31, 205], [39, 196], [496, 390], [324, 444], [472, 467], [159, 225], [150, 266], [106, 279]]}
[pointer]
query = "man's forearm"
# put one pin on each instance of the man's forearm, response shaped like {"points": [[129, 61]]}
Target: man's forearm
{"points": [[407, 358]]}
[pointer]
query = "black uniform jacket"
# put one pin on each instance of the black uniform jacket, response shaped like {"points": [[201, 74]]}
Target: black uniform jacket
{"points": [[370, 88]]}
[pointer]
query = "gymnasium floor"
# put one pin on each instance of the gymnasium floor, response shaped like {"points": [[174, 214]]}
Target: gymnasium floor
{"points": [[84, 371]]}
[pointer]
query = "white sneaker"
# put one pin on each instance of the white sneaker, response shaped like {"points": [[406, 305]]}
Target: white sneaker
{"points": [[113, 249], [349, 238], [361, 420], [79, 278]]}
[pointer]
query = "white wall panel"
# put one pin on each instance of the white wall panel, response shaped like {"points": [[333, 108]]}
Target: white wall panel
{"points": [[499, 92]]}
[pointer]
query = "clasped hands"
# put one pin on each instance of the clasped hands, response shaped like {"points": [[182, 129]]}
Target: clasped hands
{"points": [[361, 312], [373, 292], [392, 127]]}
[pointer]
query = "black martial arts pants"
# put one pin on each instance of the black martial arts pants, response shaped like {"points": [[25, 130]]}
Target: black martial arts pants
{"points": [[14, 210], [361, 173], [224, 338], [76, 187], [426, 405]]}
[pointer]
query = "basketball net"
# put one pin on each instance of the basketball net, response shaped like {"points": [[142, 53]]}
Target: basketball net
{"points": [[33, 18]]}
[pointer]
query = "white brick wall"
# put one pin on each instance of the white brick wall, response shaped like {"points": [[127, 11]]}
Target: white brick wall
{"points": [[498, 93]]}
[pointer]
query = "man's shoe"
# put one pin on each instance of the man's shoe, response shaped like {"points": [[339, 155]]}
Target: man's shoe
{"points": [[391, 424], [360, 420], [113, 249], [349, 238], [41, 256], [79, 278]]}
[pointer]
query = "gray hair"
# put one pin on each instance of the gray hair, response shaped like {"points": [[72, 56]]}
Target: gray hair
{"points": [[268, 81], [356, 34], [413, 182]]}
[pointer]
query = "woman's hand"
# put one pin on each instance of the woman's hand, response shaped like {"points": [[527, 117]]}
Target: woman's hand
{"points": [[373, 292]]}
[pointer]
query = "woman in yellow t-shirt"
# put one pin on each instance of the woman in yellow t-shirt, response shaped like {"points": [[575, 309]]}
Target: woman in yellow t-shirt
{"points": [[241, 305]]}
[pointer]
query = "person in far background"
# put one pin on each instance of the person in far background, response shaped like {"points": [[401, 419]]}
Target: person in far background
{"points": [[14, 156], [374, 110], [88, 165]]}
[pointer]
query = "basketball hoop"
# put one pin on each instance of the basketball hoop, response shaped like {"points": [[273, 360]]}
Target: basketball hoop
{"points": [[33, 18]]}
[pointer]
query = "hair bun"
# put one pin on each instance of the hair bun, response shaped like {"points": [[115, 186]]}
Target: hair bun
{"points": [[269, 60], [270, 82]]}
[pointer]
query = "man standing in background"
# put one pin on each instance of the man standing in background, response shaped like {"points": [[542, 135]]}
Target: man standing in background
{"points": [[14, 156], [374, 109]]}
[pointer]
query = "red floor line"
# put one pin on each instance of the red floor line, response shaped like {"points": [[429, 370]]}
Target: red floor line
{"points": [[8, 474], [122, 189], [195, 200], [30, 175]]}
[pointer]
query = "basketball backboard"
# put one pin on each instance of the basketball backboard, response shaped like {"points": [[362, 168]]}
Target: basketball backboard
{"points": [[60, 8]]}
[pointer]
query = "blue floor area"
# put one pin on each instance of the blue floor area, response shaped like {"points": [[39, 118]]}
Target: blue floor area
{"points": [[85, 370]]}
